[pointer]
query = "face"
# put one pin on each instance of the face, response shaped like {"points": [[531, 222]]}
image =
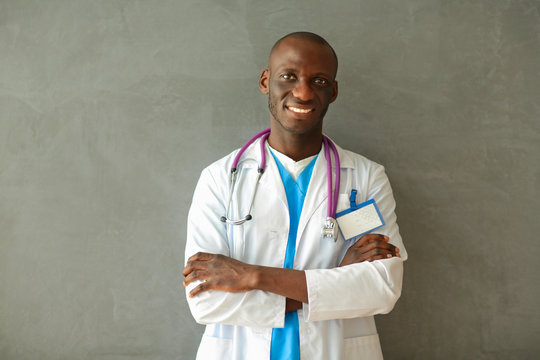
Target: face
{"points": [[300, 84]]}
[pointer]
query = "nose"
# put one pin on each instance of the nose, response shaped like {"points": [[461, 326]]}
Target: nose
{"points": [[302, 90]]}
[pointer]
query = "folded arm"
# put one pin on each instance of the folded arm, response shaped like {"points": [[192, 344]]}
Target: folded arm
{"points": [[365, 288], [224, 290], [206, 234], [219, 272]]}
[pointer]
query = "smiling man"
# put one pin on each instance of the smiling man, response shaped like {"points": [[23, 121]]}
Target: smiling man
{"points": [[274, 285], [300, 84]]}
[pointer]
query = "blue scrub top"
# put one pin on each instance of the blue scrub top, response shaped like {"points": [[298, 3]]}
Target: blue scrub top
{"points": [[285, 343]]}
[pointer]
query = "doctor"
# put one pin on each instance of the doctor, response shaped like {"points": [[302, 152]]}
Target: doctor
{"points": [[273, 287]]}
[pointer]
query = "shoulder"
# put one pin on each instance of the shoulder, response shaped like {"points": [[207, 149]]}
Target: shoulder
{"points": [[350, 159], [249, 159], [221, 166], [365, 173]]}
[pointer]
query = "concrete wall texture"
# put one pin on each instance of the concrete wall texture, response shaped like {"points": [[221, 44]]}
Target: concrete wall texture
{"points": [[109, 110]]}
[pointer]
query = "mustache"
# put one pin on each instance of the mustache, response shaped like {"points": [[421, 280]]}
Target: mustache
{"points": [[290, 100], [295, 101]]}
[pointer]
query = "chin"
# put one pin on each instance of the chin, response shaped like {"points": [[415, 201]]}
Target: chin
{"points": [[299, 127]]}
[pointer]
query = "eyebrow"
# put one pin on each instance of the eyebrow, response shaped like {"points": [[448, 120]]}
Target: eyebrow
{"points": [[279, 69], [322, 74], [289, 69]]}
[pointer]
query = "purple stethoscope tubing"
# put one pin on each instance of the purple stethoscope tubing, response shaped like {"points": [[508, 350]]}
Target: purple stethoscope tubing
{"points": [[251, 141], [332, 201], [332, 196]]}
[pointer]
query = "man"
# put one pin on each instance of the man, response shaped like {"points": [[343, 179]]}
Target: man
{"points": [[273, 287]]}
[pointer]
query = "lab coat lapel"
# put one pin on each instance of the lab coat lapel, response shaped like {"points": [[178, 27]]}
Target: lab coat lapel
{"points": [[317, 194], [270, 182]]}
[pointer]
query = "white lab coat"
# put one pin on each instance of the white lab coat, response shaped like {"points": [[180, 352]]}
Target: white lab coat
{"points": [[338, 322]]}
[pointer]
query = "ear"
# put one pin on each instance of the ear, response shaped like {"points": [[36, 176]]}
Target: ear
{"points": [[335, 92], [263, 82]]}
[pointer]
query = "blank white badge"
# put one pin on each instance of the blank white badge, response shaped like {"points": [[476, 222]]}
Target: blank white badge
{"points": [[355, 222]]}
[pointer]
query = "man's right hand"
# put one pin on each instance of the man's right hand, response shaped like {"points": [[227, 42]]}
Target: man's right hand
{"points": [[368, 248]]}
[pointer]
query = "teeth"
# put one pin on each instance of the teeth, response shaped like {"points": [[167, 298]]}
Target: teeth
{"points": [[298, 110]]}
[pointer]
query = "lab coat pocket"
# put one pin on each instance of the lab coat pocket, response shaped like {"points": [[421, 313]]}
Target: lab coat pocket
{"points": [[214, 348], [362, 347]]}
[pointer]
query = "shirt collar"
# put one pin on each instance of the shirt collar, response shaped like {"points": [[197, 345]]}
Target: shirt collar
{"points": [[253, 153]]}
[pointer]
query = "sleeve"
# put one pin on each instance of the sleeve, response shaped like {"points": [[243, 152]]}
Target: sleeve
{"points": [[206, 233], [366, 288]]}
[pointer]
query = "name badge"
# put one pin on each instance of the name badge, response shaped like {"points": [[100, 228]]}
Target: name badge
{"points": [[359, 219]]}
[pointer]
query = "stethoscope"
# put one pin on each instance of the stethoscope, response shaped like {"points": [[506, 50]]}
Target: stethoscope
{"points": [[329, 227]]}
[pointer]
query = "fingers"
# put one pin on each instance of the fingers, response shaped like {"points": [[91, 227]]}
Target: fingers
{"points": [[196, 270], [372, 247], [378, 245], [376, 240], [195, 275], [368, 238], [199, 260], [193, 265], [201, 256], [202, 287], [199, 267], [378, 254]]}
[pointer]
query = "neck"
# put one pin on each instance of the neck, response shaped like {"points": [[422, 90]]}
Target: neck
{"points": [[294, 145]]}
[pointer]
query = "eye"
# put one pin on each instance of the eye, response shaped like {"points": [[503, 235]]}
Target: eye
{"points": [[321, 81], [288, 76]]}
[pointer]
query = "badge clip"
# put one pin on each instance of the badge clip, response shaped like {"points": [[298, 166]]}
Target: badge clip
{"points": [[330, 229]]}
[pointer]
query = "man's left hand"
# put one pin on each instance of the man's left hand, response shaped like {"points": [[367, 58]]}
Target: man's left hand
{"points": [[368, 248]]}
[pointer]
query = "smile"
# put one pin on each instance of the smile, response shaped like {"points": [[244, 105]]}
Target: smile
{"points": [[299, 110]]}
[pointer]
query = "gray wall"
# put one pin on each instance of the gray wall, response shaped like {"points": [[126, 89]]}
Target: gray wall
{"points": [[110, 109]]}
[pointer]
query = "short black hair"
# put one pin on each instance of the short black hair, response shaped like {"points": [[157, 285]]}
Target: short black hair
{"points": [[305, 35]]}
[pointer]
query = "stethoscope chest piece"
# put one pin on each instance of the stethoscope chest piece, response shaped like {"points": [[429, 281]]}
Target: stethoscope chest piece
{"points": [[330, 229]]}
